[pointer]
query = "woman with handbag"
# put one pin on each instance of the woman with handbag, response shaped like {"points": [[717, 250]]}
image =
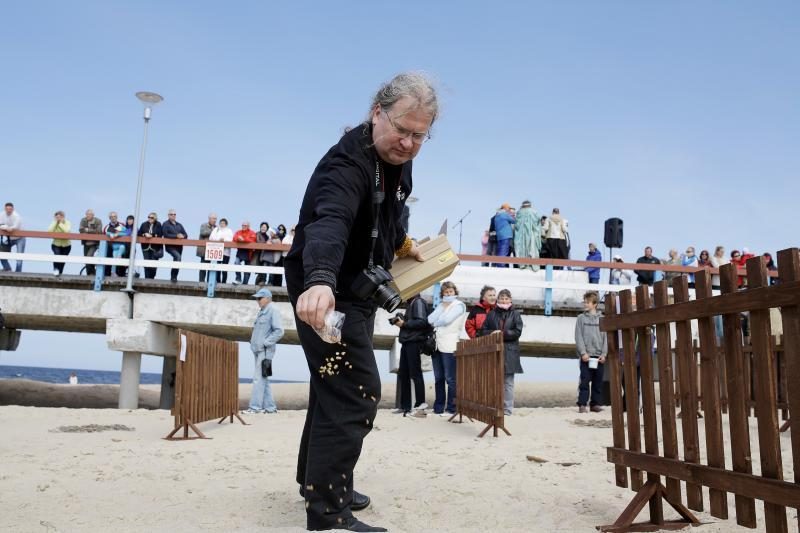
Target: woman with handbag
{"points": [[150, 251], [506, 319], [448, 323]]}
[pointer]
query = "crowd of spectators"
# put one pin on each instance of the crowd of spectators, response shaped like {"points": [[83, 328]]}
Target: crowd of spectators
{"points": [[523, 233], [114, 229]]}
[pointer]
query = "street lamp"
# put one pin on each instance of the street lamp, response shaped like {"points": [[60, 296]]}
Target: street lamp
{"points": [[148, 99]]}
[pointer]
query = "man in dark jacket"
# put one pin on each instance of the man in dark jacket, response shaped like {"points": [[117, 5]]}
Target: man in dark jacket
{"points": [[414, 329], [172, 229], [331, 249], [646, 277], [92, 225]]}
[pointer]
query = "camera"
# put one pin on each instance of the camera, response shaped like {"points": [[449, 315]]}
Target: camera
{"points": [[396, 318], [373, 283]]}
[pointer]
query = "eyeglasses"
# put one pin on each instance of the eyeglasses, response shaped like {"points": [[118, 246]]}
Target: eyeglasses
{"points": [[151, 218], [416, 136]]}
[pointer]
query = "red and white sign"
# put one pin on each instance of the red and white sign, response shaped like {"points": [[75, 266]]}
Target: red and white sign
{"points": [[214, 251]]}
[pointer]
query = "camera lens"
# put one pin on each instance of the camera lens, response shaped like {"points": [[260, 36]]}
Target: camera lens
{"points": [[387, 298]]}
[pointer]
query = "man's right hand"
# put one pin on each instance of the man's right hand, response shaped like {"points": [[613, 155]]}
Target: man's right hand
{"points": [[314, 304], [585, 358]]}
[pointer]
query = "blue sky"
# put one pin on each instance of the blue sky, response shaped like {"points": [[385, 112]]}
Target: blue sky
{"points": [[681, 118]]}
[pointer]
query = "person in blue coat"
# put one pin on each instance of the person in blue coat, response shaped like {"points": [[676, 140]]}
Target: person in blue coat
{"points": [[504, 226], [594, 255]]}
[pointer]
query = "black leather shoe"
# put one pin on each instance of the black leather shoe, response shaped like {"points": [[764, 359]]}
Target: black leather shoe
{"points": [[352, 524], [360, 501]]}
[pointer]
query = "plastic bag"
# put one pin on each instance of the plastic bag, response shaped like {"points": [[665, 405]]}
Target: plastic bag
{"points": [[332, 330]]}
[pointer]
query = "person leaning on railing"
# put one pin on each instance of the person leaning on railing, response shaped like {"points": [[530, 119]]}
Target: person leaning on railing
{"points": [[91, 225], [263, 257], [60, 246], [507, 320], [172, 229], [205, 232], [223, 233], [244, 256], [153, 252], [11, 220]]}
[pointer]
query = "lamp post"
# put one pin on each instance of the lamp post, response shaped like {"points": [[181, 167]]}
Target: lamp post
{"points": [[149, 100]]}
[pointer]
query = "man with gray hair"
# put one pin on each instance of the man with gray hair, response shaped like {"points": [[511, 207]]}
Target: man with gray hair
{"points": [[91, 225], [349, 231], [205, 232], [11, 221]]}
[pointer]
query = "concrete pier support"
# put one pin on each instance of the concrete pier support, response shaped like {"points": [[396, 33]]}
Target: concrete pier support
{"points": [[129, 380], [168, 383]]}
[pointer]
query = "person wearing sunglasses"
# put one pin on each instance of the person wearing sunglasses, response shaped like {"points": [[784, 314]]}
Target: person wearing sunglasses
{"points": [[151, 228]]}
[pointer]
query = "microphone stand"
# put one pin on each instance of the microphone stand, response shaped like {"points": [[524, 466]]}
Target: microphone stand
{"points": [[460, 225]]}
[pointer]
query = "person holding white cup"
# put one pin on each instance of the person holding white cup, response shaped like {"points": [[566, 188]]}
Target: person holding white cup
{"points": [[592, 347]]}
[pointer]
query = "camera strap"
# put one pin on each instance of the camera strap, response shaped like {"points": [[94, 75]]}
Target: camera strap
{"points": [[377, 199]]}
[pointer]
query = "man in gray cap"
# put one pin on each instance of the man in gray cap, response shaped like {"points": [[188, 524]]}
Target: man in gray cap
{"points": [[267, 331]]}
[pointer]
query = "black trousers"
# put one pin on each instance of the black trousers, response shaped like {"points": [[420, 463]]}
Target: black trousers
{"points": [[203, 275], [557, 249], [411, 369], [343, 400], [88, 251], [60, 250], [150, 272]]}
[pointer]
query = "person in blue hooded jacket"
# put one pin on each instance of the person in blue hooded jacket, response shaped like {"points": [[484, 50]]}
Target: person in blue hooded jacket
{"points": [[504, 226], [594, 255]]}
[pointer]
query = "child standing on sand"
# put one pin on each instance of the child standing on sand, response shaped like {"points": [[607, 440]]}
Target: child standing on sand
{"points": [[592, 347]]}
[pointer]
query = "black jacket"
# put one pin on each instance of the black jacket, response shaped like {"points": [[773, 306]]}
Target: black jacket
{"points": [[332, 237], [153, 229], [646, 276], [415, 325], [509, 321], [171, 230]]}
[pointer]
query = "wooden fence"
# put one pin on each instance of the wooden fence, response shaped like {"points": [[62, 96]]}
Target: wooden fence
{"points": [[206, 383], [769, 486], [480, 379]]}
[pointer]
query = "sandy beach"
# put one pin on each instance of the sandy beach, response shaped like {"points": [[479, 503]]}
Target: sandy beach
{"points": [[423, 474]]}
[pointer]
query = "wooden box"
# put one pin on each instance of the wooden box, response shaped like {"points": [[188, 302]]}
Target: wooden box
{"points": [[412, 276]]}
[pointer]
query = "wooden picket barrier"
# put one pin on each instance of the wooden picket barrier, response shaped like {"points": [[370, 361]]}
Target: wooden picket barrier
{"points": [[480, 378], [206, 384], [769, 486]]}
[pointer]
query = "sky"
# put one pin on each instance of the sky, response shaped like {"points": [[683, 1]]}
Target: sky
{"points": [[681, 118]]}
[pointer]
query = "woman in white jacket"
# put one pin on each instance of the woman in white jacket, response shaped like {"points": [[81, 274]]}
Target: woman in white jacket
{"points": [[448, 323], [223, 233]]}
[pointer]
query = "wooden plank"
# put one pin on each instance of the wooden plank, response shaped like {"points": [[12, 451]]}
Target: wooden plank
{"points": [[754, 299], [613, 365], [738, 398], [688, 388], [766, 397], [712, 410], [645, 349], [631, 387], [789, 270], [781, 492], [666, 390]]}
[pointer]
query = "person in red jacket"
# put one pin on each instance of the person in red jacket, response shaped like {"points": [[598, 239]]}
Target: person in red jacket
{"points": [[244, 255], [477, 315]]}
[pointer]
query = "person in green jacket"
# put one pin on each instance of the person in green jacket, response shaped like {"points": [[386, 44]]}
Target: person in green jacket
{"points": [[60, 246]]}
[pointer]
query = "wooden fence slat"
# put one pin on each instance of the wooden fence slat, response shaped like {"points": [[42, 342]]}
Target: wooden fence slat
{"points": [[480, 377], [789, 270], [687, 370], [666, 389], [766, 398], [709, 370], [645, 350], [631, 385], [613, 365], [738, 397]]}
